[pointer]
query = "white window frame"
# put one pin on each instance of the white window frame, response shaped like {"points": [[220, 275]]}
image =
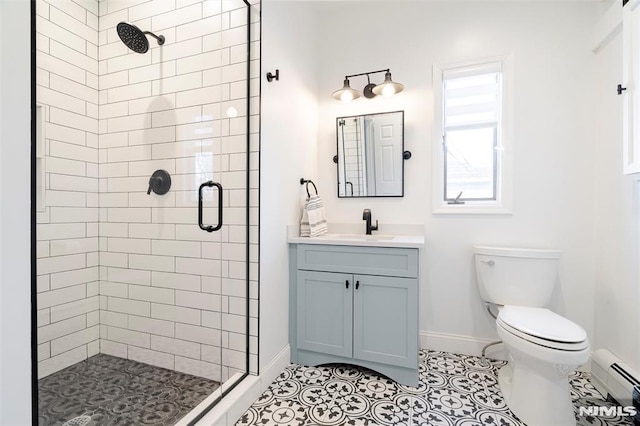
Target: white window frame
{"points": [[631, 93], [503, 204]]}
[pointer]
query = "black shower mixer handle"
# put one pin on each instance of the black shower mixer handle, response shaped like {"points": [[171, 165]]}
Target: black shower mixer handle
{"points": [[159, 182], [154, 182]]}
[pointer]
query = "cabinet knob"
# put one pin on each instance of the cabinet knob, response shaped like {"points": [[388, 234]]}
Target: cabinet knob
{"points": [[620, 89], [347, 284], [357, 284]]}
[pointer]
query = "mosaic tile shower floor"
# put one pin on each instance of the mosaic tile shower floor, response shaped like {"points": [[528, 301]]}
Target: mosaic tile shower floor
{"points": [[454, 390], [117, 391]]}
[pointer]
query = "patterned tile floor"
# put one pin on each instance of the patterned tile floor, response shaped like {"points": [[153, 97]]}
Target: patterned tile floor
{"points": [[455, 390], [117, 391]]}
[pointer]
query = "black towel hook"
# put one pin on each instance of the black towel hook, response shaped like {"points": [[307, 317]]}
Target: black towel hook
{"points": [[303, 181]]}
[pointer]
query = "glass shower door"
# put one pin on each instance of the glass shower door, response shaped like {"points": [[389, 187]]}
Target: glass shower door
{"points": [[143, 314]]}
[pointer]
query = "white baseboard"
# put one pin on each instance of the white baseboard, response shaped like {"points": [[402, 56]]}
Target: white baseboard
{"points": [[275, 367], [232, 406], [460, 344]]}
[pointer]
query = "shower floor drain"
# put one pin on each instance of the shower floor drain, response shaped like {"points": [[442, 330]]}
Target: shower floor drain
{"points": [[78, 421]]}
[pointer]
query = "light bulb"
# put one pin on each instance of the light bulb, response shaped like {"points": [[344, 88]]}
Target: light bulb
{"points": [[347, 96], [388, 90], [388, 87], [232, 112]]}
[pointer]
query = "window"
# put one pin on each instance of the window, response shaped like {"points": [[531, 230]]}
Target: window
{"points": [[470, 137]]}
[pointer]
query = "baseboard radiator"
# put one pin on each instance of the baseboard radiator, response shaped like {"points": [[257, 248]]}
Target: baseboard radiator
{"points": [[616, 380]]}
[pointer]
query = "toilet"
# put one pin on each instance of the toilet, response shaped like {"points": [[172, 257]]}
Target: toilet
{"points": [[543, 347]]}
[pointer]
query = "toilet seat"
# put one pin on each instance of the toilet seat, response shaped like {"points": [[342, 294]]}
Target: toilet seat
{"points": [[543, 327]]}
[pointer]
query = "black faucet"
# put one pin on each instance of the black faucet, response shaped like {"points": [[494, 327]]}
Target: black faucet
{"points": [[366, 215]]}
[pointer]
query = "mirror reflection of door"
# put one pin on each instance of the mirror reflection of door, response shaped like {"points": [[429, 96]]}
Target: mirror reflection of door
{"points": [[386, 144], [370, 149]]}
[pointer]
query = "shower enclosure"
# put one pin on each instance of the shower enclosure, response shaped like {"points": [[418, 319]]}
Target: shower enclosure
{"points": [[146, 199]]}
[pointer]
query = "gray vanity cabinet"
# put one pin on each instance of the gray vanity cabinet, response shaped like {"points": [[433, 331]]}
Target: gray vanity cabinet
{"points": [[357, 305]]}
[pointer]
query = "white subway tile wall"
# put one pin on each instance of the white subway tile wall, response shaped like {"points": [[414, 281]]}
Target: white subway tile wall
{"points": [[353, 158], [126, 273], [67, 89]]}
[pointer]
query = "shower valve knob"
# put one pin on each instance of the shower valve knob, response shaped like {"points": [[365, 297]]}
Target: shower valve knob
{"points": [[159, 182], [153, 183]]}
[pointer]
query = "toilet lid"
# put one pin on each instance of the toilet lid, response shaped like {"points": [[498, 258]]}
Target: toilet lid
{"points": [[542, 324]]}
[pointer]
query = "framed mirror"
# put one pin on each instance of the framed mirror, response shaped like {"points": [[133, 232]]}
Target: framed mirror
{"points": [[370, 155]]}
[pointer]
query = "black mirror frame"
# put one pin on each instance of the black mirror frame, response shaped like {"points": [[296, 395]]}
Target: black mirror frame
{"points": [[405, 156]]}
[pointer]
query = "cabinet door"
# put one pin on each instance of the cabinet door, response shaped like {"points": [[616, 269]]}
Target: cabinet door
{"points": [[385, 320], [324, 312]]}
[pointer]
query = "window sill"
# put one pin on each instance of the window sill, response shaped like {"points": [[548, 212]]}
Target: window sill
{"points": [[472, 209]]}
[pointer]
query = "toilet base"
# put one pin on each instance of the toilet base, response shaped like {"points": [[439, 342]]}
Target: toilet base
{"points": [[535, 396]]}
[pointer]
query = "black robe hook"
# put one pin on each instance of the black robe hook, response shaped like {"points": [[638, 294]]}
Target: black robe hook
{"points": [[271, 77]]}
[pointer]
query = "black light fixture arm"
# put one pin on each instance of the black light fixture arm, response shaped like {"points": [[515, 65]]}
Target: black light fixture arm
{"points": [[367, 73], [371, 90]]}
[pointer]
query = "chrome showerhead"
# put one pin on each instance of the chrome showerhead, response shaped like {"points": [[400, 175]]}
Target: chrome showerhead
{"points": [[134, 38]]}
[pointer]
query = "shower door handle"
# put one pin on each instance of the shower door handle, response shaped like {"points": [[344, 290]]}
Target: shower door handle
{"points": [[210, 228]]}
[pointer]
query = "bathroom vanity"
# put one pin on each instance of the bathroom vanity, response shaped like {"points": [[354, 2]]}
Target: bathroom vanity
{"points": [[354, 299]]}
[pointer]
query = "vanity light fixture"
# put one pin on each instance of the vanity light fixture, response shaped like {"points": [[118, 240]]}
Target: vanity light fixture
{"points": [[387, 88], [346, 94]]}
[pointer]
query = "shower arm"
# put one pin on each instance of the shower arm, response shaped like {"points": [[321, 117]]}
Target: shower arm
{"points": [[160, 38]]}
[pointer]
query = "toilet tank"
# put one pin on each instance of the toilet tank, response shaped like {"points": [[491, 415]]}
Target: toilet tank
{"points": [[516, 276]]}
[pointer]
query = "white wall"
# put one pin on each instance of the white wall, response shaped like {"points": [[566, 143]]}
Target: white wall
{"points": [[15, 274], [554, 145], [617, 220], [287, 153]]}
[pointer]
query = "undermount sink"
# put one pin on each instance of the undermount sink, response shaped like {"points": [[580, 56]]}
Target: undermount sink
{"points": [[357, 237]]}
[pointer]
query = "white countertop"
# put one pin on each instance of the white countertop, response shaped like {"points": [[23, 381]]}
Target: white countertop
{"points": [[375, 240]]}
